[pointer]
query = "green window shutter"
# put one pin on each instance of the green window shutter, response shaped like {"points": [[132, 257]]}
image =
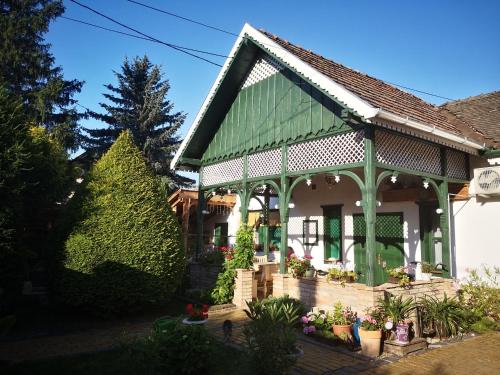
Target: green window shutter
{"points": [[332, 234]]}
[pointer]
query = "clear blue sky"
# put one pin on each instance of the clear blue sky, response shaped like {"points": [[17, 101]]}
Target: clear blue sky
{"points": [[450, 47]]}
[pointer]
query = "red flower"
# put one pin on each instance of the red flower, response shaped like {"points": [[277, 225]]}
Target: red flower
{"points": [[189, 308], [204, 308]]}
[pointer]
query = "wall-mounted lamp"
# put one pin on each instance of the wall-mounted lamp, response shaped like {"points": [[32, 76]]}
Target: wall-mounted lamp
{"points": [[394, 179], [291, 205], [308, 182], [264, 186], [337, 178], [439, 211], [205, 212], [379, 203], [426, 184], [358, 203]]}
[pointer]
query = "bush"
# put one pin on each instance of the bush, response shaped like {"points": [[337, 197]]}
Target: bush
{"points": [[482, 294], [180, 349], [125, 252], [271, 336], [442, 316], [285, 311], [243, 258]]}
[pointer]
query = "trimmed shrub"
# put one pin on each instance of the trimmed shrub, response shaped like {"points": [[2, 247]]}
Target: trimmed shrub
{"points": [[243, 258], [125, 252]]}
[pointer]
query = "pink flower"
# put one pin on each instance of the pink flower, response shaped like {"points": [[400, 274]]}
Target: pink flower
{"points": [[305, 319], [308, 257], [312, 329]]}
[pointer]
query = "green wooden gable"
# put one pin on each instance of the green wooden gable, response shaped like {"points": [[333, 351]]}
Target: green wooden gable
{"points": [[279, 109]]}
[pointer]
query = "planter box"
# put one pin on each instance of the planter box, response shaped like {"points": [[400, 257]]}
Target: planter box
{"points": [[396, 348]]}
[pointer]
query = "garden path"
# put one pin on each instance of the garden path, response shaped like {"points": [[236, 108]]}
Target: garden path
{"points": [[478, 355]]}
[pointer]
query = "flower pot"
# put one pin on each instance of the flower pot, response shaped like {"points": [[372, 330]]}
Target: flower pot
{"points": [[402, 331], [393, 280], [193, 322], [370, 342], [338, 330], [309, 274], [426, 276]]}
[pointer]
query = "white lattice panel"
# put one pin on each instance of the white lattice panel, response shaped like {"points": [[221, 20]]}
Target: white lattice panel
{"points": [[264, 67], [330, 151], [456, 163], [266, 163], [407, 153], [220, 173]]}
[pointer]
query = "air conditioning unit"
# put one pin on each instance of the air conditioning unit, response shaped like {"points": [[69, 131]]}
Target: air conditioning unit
{"points": [[487, 180]]}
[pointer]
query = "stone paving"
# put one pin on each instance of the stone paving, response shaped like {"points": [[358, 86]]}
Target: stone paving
{"points": [[473, 356]]}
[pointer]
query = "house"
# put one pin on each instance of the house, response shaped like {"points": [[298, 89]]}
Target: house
{"points": [[351, 169]]}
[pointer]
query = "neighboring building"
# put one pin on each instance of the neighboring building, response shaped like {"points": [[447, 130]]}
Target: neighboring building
{"points": [[218, 219], [358, 170]]}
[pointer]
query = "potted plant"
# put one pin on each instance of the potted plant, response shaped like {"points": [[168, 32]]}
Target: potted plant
{"points": [[342, 319], [399, 275], [370, 334], [340, 275], [309, 273], [197, 314], [397, 313], [427, 269], [298, 266]]}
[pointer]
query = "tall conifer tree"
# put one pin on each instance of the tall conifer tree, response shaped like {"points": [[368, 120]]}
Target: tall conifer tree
{"points": [[139, 103], [28, 70]]}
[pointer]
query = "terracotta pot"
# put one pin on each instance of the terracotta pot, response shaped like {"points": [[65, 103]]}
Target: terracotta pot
{"points": [[339, 329], [370, 342]]}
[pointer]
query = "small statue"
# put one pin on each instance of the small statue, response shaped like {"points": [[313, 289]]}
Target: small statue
{"points": [[227, 328]]}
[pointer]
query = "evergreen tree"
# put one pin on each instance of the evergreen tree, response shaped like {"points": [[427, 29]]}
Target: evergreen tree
{"points": [[125, 250], [138, 103], [27, 67]]}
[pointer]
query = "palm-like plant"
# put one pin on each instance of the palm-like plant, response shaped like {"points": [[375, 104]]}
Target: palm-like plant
{"points": [[443, 316], [395, 308]]}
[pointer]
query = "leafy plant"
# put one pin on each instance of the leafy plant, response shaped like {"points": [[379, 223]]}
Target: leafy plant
{"points": [[427, 267], [241, 258], [343, 315], [270, 335], [400, 273], [395, 308], [316, 321], [179, 349], [273, 310], [442, 316], [126, 250], [299, 266], [481, 294], [371, 322], [343, 276]]}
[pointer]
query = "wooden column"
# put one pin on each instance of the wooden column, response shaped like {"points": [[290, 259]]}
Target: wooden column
{"points": [[370, 204]]}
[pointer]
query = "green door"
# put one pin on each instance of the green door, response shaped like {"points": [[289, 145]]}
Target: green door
{"points": [[389, 249], [333, 231], [220, 234]]}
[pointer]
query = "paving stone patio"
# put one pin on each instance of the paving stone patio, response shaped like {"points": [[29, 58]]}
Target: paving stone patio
{"points": [[472, 356]]}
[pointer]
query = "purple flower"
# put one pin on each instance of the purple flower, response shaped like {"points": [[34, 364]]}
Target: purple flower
{"points": [[312, 329]]}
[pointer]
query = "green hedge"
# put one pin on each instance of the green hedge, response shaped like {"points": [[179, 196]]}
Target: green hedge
{"points": [[125, 252]]}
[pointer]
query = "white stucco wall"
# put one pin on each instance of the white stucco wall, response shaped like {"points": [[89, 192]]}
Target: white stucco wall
{"points": [[308, 204], [475, 229]]}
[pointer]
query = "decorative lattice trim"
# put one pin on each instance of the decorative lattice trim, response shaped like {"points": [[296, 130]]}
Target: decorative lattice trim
{"points": [[403, 152], [456, 164], [220, 173], [266, 163], [264, 67], [337, 150]]}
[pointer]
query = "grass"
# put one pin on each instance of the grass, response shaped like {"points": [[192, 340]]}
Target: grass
{"points": [[226, 360]]}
